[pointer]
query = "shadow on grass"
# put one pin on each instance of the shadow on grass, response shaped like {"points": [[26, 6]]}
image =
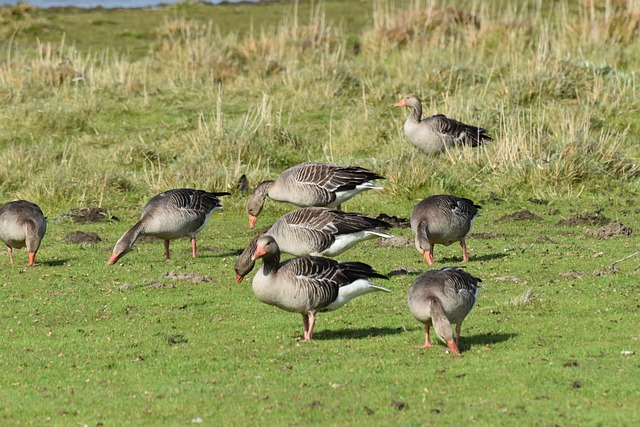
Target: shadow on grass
{"points": [[355, 333], [56, 263], [458, 261], [466, 342]]}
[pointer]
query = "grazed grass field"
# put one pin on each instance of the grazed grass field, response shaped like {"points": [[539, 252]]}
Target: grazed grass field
{"points": [[128, 104]]}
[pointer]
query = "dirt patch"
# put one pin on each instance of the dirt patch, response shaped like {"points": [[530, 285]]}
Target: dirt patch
{"points": [[488, 235], [524, 215], [84, 215], [395, 221], [395, 242], [188, 277], [584, 219], [159, 285], [615, 229], [82, 237]]}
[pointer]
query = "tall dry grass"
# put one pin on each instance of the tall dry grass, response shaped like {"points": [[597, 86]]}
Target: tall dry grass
{"points": [[554, 85]]}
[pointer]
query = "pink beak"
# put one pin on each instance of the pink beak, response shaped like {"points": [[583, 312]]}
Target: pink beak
{"points": [[252, 221], [400, 103], [113, 259]]}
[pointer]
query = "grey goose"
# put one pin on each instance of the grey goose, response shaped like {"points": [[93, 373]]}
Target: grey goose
{"points": [[170, 215], [312, 184], [442, 219], [22, 224], [435, 134], [317, 232], [308, 285], [442, 298]]}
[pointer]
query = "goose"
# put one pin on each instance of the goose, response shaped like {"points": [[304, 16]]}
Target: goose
{"points": [[442, 219], [317, 232], [437, 133], [309, 285], [312, 184], [170, 215], [442, 298], [22, 224]]}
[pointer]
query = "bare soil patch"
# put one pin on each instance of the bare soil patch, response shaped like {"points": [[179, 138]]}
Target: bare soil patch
{"points": [[584, 219], [488, 235], [615, 229], [79, 237], [394, 220], [395, 242], [188, 277], [84, 215], [524, 215]]}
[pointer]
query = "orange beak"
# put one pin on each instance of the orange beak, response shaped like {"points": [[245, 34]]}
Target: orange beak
{"points": [[400, 103], [252, 221], [239, 278], [113, 259]]}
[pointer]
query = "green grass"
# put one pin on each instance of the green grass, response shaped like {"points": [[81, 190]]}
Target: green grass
{"points": [[108, 108], [89, 343]]}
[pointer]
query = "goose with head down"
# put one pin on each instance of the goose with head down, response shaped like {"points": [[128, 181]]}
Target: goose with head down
{"points": [[171, 215], [438, 133], [312, 184], [22, 224], [442, 219], [441, 298], [316, 232], [308, 285]]}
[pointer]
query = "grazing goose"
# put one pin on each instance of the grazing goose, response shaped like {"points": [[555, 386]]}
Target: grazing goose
{"points": [[312, 184], [442, 219], [310, 284], [22, 224], [437, 133], [316, 232], [171, 215], [442, 298]]}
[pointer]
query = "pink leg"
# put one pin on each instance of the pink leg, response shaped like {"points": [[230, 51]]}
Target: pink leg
{"points": [[32, 258], [166, 250], [305, 324], [194, 250], [465, 254], [458, 327], [10, 250], [309, 332], [427, 341], [428, 256]]}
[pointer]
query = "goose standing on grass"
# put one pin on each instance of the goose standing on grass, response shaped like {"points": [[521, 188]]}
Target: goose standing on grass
{"points": [[22, 224], [170, 215], [442, 219], [437, 133], [316, 232], [312, 184], [442, 298], [309, 285]]}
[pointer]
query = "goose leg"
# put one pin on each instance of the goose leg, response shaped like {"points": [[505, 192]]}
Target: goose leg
{"points": [[309, 333], [465, 254], [194, 249], [305, 324], [166, 250], [427, 342], [10, 250], [458, 327], [32, 258]]}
